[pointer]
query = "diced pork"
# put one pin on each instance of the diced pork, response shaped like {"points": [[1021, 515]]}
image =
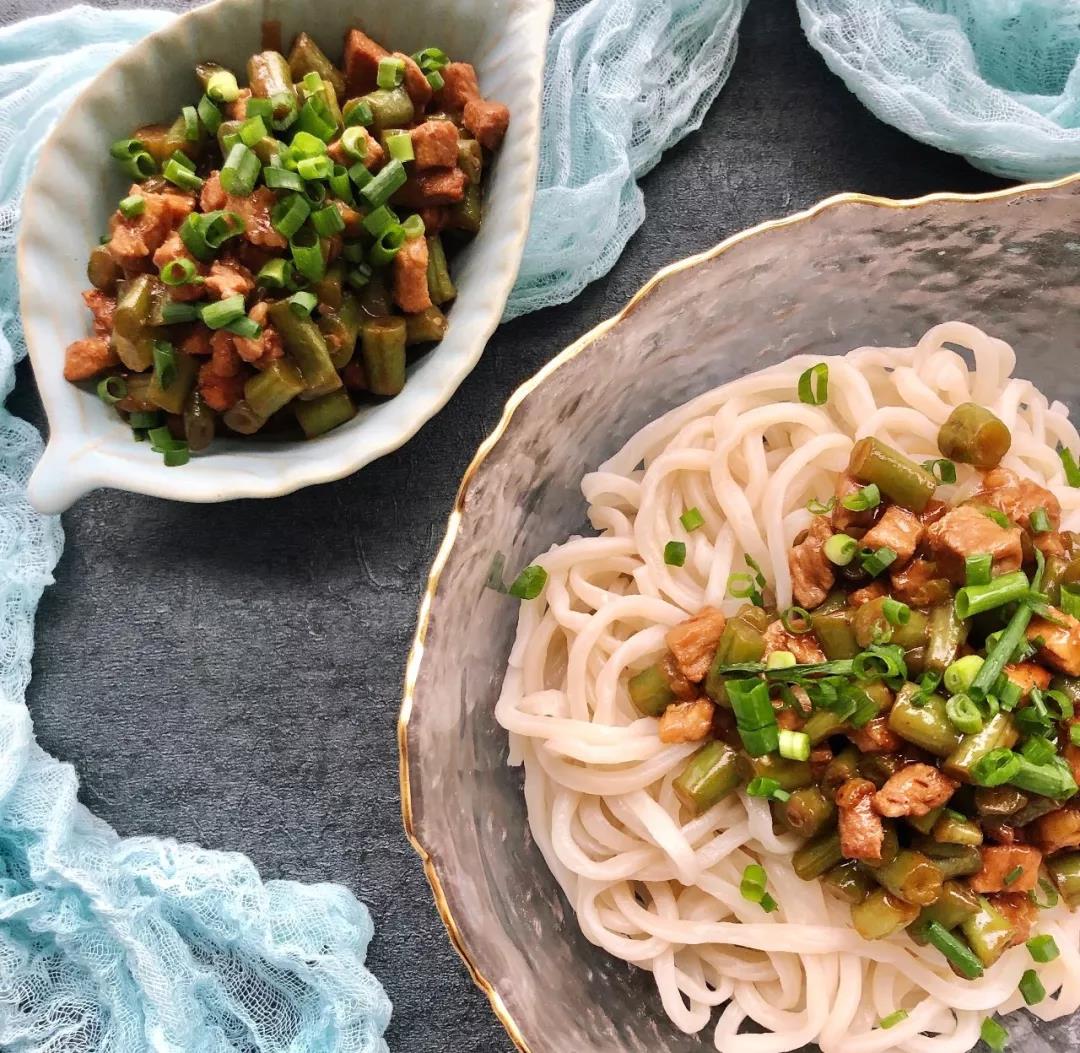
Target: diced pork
{"points": [[103, 308], [435, 186], [1021, 914], [173, 248], [874, 591], [694, 641], [487, 120], [875, 737], [1028, 675], [680, 686], [1020, 863], [897, 529], [362, 57], [435, 144], [416, 84], [84, 359], [221, 391], [237, 109], [435, 219], [459, 86], [135, 238], [254, 209], [920, 583], [229, 279], [1057, 831], [965, 531], [687, 721], [263, 349], [862, 832], [1060, 643], [804, 646], [1017, 498], [914, 790], [374, 154], [843, 519], [410, 276], [197, 341], [811, 572], [933, 511]]}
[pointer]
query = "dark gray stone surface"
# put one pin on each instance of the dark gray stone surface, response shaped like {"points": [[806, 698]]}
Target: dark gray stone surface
{"points": [[231, 674]]}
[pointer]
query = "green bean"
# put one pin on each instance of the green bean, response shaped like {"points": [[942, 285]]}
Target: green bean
{"points": [[163, 140], [895, 475], [879, 767], [988, 932], [383, 348], [808, 812], [440, 287], [998, 801], [924, 823], [881, 914], [1053, 577], [973, 435], [790, 774], [470, 159], [341, 327], [1035, 808], [198, 422], [822, 724], [467, 214], [912, 877], [925, 726], [817, 856], [952, 860], [102, 271], [871, 626], [956, 903], [836, 633], [375, 296], [173, 398], [306, 346], [425, 327], [739, 642], [391, 109], [711, 774], [957, 830], [650, 691], [132, 335], [890, 848], [844, 766], [329, 289], [242, 419], [321, 415], [268, 150], [328, 93], [307, 57], [946, 632], [849, 881], [269, 78], [205, 70], [999, 732], [1065, 871], [275, 386]]}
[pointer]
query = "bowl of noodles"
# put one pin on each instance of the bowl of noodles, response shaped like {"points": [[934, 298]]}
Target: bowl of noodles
{"points": [[741, 710]]}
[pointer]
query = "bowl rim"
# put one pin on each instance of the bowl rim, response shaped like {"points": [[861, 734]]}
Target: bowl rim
{"points": [[59, 479], [517, 397]]}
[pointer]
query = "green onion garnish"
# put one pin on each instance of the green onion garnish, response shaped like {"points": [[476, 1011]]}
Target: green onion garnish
{"points": [[768, 788], [173, 313], [781, 660], [436, 80], [961, 956], [209, 114], [964, 714], [1013, 876], [359, 276], [358, 111], [960, 674], [387, 245], [282, 179], [144, 418], [1068, 462], [134, 158], [164, 364], [1074, 734], [874, 561], [863, 499], [133, 206], [796, 620], [112, 389], [1040, 521], [692, 519], [220, 314], [391, 177], [752, 888], [430, 59], [378, 220], [194, 239], [893, 1019], [391, 72], [1052, 897], [275, 274], [977, 569], [1031, 987], [942, 469], [994, 1035], [820, 508], [240, 172], [180, 175], [315, 119], [413, 226], [315, 167], [252, 130], [794, 745], [341, 185], [218, 227], [995, 768], [896, 613], [399, 146], [840, 549], [976, 599], [307, 254], [1070, 600], [180, 271], [222, 87], [245, 327], [879, 662], [529, 583], [998, 517], [190, 116], [755, 717], [327, 222], [289, 215], [354, 141], [814, 385], [675, 553], [303, 303], [1001, 653]]}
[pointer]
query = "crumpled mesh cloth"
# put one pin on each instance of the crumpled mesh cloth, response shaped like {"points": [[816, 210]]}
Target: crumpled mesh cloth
{"points": [[997, 81], [625, 79], [127, 945]]}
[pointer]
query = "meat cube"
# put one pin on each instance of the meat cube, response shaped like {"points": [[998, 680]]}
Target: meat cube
{"points": [[137, 237], [84, 359], [875, 737], [920, 583], [260, 350], [965, 531], [1060, 643], [694, 641], [212, 196], [221, 381], [229, 279], [1019, 862], [1021, 914], [1017, 498], [933, 511], [1027, 675], [820, 758], [811, 572], [410, 276], [254, 209], [416, 84], [435, 219], [874, 591], [897, 529], [804, 646], [1057, 831], [374, 154], [224, 359], [488, 121], [434, 186], [459, 87], [102, 307], [843, 519], [362, 57], [862, 832], [237, 109], [435, 144], [914, 790], [197, 341], [687, 721]]}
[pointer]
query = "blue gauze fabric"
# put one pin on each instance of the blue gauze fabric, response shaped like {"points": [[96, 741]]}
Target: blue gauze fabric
{"points": [[625, 79], [997, 81], [111, 945]]}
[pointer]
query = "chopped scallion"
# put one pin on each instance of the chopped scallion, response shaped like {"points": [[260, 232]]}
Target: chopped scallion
{"points": [[840, 549], [303, 303], [977, 569], [675, 553], [133, 206], [863, 499], [814, 385], [692, 519], [893, 1019], [391, 72], [529, 583], [1031, 987]]}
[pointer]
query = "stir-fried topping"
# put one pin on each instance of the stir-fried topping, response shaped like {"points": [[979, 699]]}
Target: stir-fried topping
{"points": [[914, 717]]}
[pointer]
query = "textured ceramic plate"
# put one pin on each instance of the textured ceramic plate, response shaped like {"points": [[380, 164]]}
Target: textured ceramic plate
{"points": [[69, 201], [852, 271]]}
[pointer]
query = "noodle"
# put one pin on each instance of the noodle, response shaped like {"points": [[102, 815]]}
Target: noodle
{"points": [[651, 885]]}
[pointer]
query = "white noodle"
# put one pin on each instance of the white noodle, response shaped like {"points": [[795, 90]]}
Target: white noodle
{"points": [[655, 885]]}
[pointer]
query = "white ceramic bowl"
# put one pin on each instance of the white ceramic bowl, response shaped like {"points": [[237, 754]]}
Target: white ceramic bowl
{"points": [[76, 187]]}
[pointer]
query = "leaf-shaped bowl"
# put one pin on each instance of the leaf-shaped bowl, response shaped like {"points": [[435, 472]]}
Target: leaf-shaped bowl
{"points": [[854, 270], [76, 186]]}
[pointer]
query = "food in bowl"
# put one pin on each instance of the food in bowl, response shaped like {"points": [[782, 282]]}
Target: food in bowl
{"points": [[801, 725], [260, 273]]}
